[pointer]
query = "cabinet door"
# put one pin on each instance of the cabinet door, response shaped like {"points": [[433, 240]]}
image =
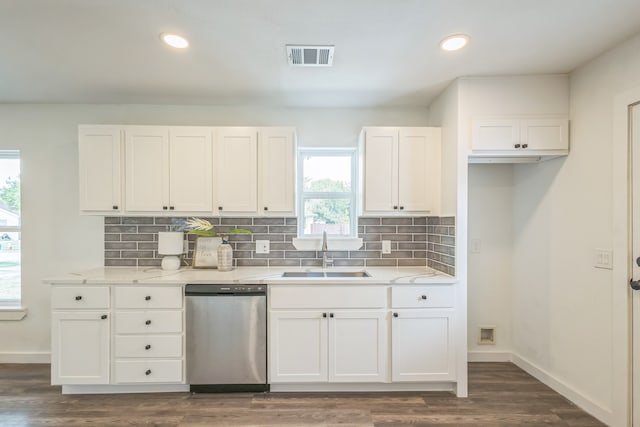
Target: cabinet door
{"points": [[147, 168], [297, 347], [545, 134], [191, 169], [418, 169], [495, 134], [422, 345], [236, 170], [380, 170], [276, 169], [357, 346], [99, 151], [80, 347]]}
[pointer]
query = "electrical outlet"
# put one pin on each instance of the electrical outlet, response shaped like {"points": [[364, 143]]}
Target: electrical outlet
{"points": [[386, 246], [262, 246], [603, 258]]}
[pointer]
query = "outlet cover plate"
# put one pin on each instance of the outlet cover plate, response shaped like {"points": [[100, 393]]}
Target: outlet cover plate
{"points": [[262, 246]]}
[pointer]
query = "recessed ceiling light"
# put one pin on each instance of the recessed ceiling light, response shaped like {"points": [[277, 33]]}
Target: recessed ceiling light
{"points": [[174, 40], [455, 42]]}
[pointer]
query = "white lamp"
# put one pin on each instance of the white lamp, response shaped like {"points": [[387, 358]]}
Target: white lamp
{"points": [[170, 245]]}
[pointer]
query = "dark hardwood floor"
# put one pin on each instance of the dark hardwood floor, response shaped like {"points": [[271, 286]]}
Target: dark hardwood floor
{"points": [[500, 394]]}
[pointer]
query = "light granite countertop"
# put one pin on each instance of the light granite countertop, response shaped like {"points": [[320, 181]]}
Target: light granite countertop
{"points": [[245, 275]]}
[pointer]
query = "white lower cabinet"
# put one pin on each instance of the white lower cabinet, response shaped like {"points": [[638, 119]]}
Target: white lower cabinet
{"points": [[422, 345], [149, 335], [80, 347], [422, 333], [318, 343], [138, 341], [330, 345]]}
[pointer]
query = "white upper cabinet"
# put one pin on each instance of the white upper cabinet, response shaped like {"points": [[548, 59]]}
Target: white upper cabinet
{"points": [[236, 168], [401, 170], [255, 171], [190, 169], [520, 136], [168, 169], [99, 152], [276, 171]]}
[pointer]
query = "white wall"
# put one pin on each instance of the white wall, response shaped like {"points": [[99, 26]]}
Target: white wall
{"points": [[563, 306], [56, 239], [490, 265]]}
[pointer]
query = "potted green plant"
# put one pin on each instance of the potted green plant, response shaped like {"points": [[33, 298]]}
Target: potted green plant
{"points": [[216, 250]]}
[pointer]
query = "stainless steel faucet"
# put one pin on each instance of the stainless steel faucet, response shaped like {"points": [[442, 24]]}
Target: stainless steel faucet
{"points": [[325, 261]]}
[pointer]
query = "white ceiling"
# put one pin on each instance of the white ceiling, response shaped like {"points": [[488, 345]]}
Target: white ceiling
{"points": [[386, 51]]}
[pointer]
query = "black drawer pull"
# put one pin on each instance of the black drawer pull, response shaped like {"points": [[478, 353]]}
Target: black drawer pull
{"points": [[324, 314], [423, 297], [147, 347], [147, 298], [395, 314], [104, 316], [79, 297], [148, 322], [115, 207], [148, 372], [331, 315]]}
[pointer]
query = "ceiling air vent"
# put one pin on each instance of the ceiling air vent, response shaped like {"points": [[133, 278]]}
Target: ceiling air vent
{"points": [[310, 56]]}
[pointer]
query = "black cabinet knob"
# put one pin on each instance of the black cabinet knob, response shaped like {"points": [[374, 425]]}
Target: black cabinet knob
{"points": [[219, 208], [164, 208], [148, 322], [516, 145], [147, 372], [423, 297], [104, 316], [395, 314], [324, 314], [147, 298], [266, 208], [331, 315], [171, 208], [79, 297], [114, 207], [147, 347], [395, 207], [401, 207], [525, 145]]}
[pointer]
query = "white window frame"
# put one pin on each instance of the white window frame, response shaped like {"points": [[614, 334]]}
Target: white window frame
{"points": [[304, 195], [12, 309]]}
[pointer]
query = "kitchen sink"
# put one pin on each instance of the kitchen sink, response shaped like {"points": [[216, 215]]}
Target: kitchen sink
{"points": [[347, 274], [320, 274]]}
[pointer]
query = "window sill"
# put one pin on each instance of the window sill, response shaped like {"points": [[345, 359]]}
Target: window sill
{"points": [[333, 244], [12, 312]]}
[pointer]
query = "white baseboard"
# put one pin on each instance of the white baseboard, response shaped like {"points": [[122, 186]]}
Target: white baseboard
{"points": [[489, 356], [586, 404], [23, 357]]}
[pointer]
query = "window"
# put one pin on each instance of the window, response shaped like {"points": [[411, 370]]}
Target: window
{"points": [[9, 227], [327, 185]]}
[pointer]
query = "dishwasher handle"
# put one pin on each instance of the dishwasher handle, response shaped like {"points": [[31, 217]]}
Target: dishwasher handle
{"points": [[193, 290]]}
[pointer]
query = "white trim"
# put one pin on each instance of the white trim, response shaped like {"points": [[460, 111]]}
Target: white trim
{"points": [[603, 414], [12, 312], [132, 388], [621, 299], [490, 356], [25, 357], [355, 387], [333, 243]]}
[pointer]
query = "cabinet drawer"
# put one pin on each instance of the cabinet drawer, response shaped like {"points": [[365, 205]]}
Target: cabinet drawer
{"points": [[309, 296], [151, 322], [81, 297], [148, 297], [149, 346], [148, 371], [429, 296]]}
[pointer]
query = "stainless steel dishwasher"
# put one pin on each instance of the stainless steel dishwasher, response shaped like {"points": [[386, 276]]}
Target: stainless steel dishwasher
{"points": [[226, 337]]}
